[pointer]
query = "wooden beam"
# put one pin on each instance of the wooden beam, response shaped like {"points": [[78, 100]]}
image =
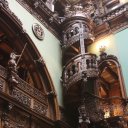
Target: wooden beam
{"points": [[110, 70], [75, 49], [106, 84]]}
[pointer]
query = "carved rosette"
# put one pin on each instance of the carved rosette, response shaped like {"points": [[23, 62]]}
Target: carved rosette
{"points": [[38, 31]]}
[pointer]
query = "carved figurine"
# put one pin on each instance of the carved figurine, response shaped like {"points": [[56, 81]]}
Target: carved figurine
{"points": [[12, 69], [12, 65]]}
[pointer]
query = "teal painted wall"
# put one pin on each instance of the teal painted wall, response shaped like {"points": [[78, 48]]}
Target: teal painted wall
{"points": [[49, 48], [116, 44], [121, 40]]}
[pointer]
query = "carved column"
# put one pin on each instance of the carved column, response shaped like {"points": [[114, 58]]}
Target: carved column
{"points": [[80, 67]]}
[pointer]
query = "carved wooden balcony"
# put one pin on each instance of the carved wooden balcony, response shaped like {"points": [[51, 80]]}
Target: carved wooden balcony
{"points": [[22, 92], [71, 39], [78, 66], [73, 32]]}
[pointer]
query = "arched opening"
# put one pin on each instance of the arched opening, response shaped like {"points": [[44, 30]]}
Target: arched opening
{"points": [[111, 87], [29, 68]]}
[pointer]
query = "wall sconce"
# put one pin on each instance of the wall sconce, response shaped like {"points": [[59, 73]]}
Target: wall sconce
{"points": [[102, 49], [103, 44], [107, 114]]}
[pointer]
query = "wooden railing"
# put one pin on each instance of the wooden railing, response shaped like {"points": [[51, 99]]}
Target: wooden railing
{"points": [[78, 66], [23, 92], [73, 39]]}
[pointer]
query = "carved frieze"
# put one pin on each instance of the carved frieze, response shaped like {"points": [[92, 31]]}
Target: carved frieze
{"points": [[21, 97], [39, 108]]}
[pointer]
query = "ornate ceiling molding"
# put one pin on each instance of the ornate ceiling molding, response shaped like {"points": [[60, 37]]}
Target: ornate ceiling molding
{"points": [[104, 22], [43, 14], [112, 22]]}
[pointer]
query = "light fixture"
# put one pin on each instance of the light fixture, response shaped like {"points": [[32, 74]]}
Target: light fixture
{"points": [[102, 49]]}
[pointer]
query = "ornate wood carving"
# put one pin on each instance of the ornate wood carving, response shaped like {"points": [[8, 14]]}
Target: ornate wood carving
{"points": [[39, 108], [79, 65], [37, 8], [80, 72], [24, 93], [78, 24], [21, 97]]}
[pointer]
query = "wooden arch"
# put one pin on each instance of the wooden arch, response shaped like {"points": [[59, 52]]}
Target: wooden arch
{"points": [[13, 37], [110, 67]]}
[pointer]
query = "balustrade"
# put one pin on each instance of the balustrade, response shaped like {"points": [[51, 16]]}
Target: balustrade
{"points": [[79, 65], [23, 93], [73, 39], [72, 35]]}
